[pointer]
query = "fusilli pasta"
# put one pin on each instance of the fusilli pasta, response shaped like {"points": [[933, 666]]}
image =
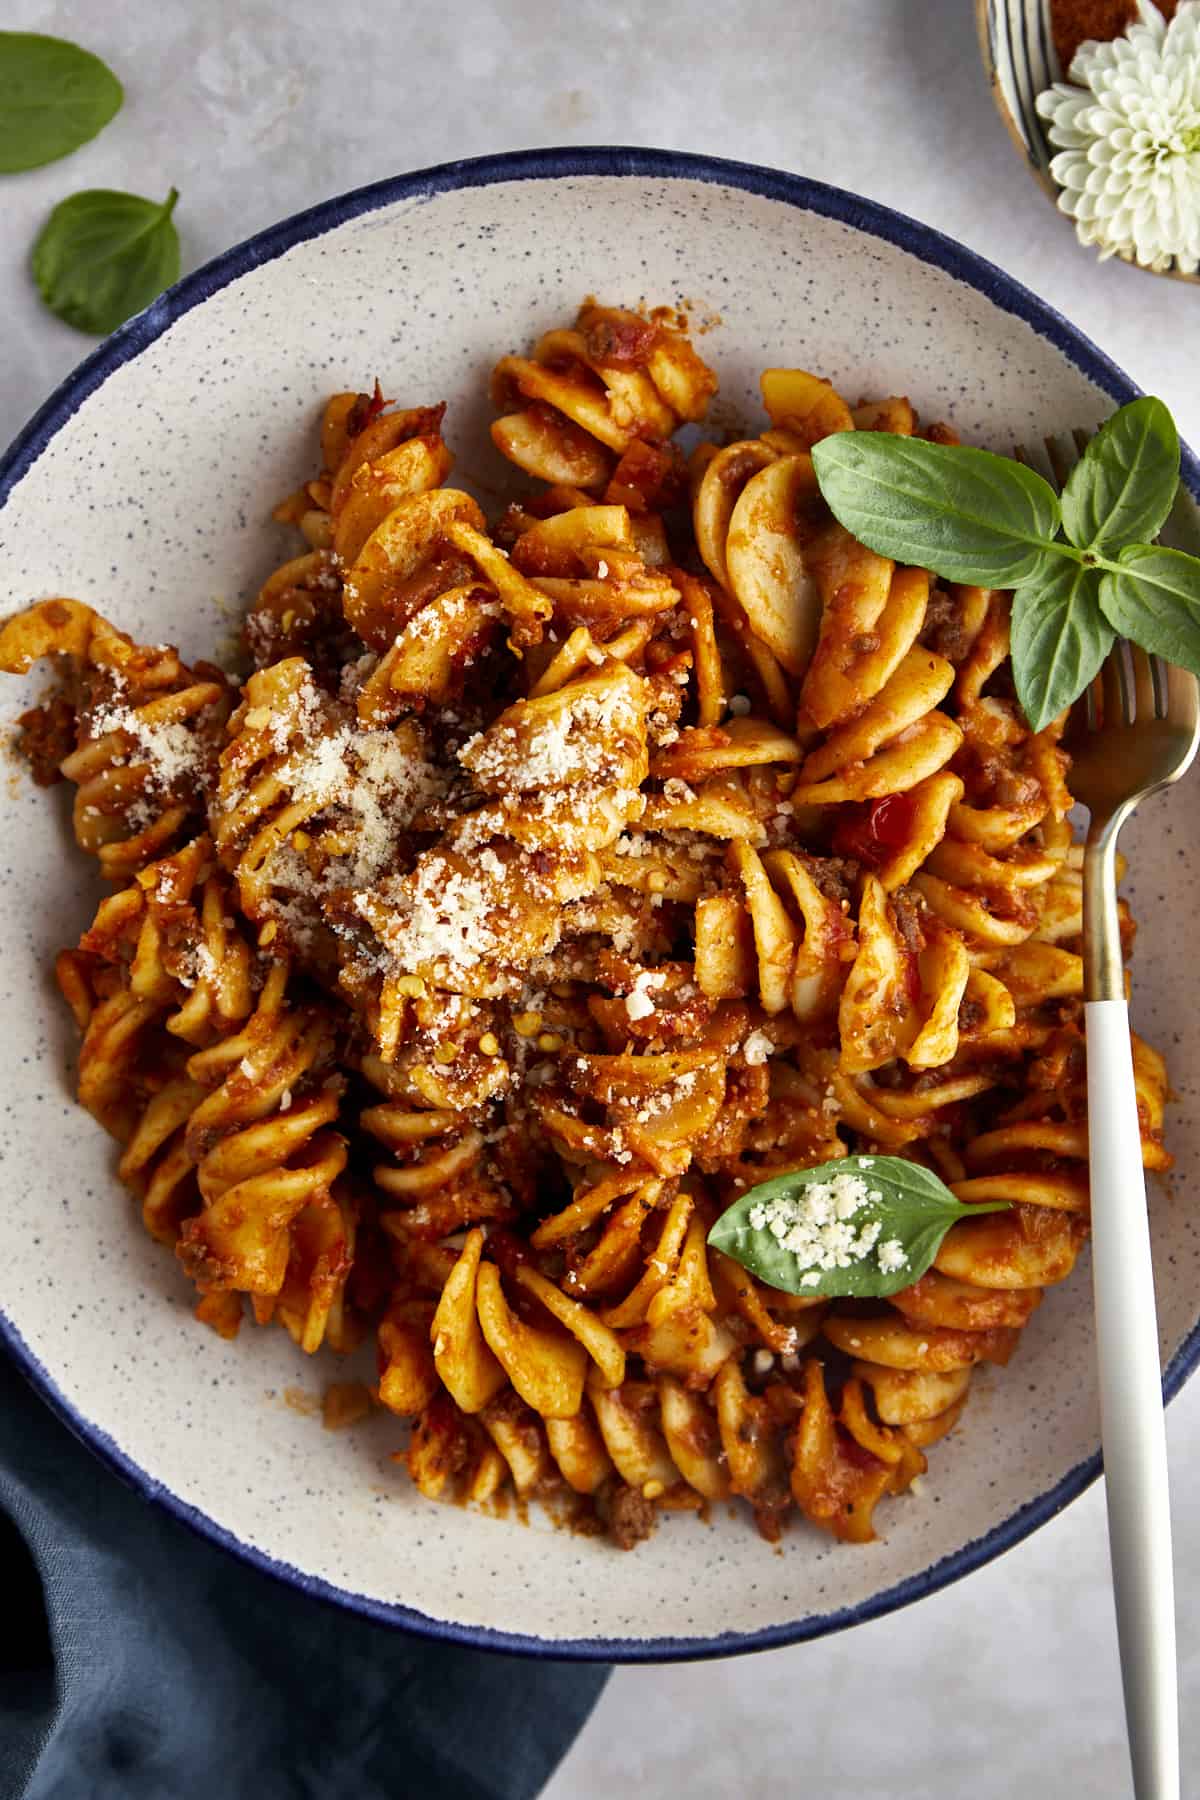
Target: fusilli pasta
{"points": [[547, 883]]}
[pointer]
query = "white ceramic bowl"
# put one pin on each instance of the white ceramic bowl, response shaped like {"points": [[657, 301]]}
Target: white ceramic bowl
{"points": [[143, 487]]}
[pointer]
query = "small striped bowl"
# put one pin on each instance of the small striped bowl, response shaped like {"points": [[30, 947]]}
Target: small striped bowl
{"points": [[1020, 59]]}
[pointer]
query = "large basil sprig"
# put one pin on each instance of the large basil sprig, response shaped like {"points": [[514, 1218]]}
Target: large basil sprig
{"points": [[971, 516], [863, 1226]]}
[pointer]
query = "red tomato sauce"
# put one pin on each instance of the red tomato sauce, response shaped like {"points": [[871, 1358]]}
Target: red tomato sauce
{"points": [[870, 832]]}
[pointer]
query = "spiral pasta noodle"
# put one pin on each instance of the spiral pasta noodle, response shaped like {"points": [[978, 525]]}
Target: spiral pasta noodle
{"points": [[547, 883], [134, 728], [593, 406], [219, 1095]]}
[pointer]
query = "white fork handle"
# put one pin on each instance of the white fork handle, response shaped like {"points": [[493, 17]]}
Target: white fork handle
{"points": [[1131, 1409]]}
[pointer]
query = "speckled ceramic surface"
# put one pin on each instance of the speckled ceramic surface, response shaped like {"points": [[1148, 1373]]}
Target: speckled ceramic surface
{"points": [[143, 488]]}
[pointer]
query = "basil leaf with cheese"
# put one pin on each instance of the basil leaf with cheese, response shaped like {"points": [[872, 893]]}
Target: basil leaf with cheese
{"points": [[862, 1227]]}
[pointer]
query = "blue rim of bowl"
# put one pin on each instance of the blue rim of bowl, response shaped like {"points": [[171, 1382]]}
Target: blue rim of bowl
{"points": [[928, 246]]}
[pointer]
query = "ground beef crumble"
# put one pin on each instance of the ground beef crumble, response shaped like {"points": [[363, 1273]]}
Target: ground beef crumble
{"points": [[944, 631], [48, 734], [631, 1517], [907, 910]]}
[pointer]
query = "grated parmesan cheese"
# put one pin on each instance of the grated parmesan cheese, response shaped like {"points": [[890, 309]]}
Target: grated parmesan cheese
{"points": [[617, 1146], [757, 1048], [540, 747], [667, 1096], [207, 967], [439, 915], [638, 1003], [382, 779], [891, 1256], [169, 747], [816, 1224]]}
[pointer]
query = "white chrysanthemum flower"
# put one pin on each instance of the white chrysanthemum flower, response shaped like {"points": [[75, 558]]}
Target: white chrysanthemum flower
{"points": [[1127, 132]]}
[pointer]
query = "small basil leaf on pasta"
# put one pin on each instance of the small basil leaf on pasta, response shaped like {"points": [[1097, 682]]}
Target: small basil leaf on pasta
{"points": [[1059, 640], [861, 1227], [1123, 487], [53, 97], [1152, 595], [965, 514], [102, 256]]}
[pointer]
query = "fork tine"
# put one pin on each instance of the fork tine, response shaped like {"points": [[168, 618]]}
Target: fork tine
{"points": [[1037, 460], [1183, 697], [1114, 687], [1145, 698], [1063, 456]]}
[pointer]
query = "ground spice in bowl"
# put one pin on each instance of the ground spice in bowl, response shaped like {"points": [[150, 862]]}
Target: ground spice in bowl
{"points": [[1072, 22]]}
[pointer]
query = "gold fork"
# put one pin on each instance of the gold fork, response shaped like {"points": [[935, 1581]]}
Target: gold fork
{"points": [[1135, 732]]}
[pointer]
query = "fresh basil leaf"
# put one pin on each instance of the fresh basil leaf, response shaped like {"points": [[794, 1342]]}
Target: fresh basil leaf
{"points": [[894, 1215], [1059, 639], [1122, 489], [1153, 597], [103, 256], [53, 97], [966, 514]]}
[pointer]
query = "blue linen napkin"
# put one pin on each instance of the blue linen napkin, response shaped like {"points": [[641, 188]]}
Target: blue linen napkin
{"points": [[138, 1662]]}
